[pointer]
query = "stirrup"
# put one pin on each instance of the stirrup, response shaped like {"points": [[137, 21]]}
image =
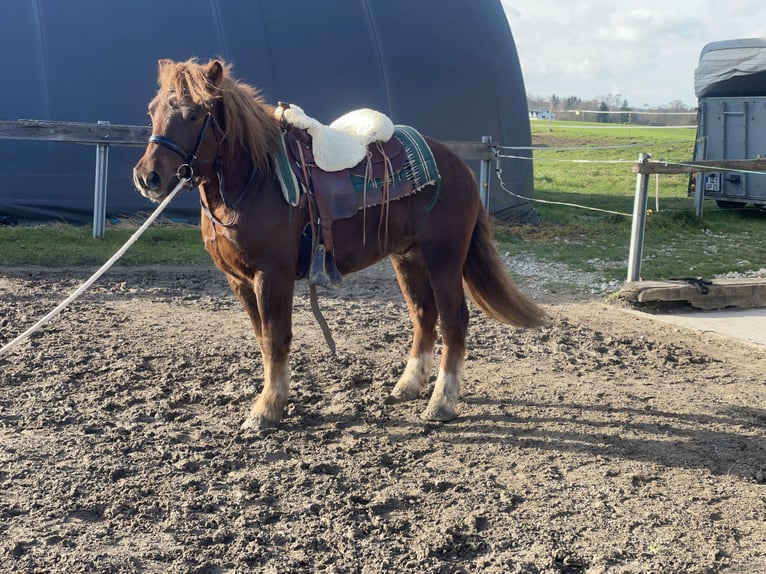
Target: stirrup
{"points": [[324, 272], [317, 274], [331, 269]]}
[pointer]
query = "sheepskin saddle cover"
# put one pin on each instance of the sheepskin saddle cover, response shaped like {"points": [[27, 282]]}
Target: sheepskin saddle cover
{"points": [[342, 144]]}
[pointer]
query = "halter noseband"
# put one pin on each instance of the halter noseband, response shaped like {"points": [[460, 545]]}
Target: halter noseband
{"points": [[185, 170]]}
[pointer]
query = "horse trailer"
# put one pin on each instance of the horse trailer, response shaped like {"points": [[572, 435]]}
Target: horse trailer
{"points": [[730, 84]]}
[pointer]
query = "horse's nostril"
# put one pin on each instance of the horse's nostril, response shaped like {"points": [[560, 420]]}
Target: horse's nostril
{"points": [[154, 181]]}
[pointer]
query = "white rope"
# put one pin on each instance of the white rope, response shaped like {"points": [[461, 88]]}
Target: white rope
{"points": [[624, 127], [80, 290], [571, 148], [509, 192], [603, 161]]}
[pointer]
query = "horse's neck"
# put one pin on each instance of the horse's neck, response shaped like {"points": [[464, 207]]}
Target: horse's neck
{"points": [[225, 184]]}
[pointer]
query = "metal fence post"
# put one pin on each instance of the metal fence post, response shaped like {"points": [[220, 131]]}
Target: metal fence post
{"points": [[639, 222], [699, 180], [699, 193], [484, 171], [99, 197]]}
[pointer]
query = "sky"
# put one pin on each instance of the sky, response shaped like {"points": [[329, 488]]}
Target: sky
{"points": [[644, 50]]}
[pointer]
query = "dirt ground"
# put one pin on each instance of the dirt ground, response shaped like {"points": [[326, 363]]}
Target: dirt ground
{"points": [[606, 442]]}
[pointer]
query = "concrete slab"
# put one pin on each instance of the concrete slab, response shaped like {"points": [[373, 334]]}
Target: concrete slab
{"points": [[743, 324]]}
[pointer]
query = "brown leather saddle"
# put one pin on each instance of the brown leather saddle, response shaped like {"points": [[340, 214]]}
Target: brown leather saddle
{"points": [[337, 192], [334, 195]]}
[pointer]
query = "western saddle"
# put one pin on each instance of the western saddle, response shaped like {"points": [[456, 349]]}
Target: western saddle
{"points": [[342, 168]]}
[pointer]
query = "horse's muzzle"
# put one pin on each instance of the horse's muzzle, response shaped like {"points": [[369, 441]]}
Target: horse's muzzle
{"points": [[149, 184]]}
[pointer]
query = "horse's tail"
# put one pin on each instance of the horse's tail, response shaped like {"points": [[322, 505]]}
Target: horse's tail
{"points": [[489, 284]]}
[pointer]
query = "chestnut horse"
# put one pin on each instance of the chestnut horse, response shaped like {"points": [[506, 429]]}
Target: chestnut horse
{"points": [[220, 133]]}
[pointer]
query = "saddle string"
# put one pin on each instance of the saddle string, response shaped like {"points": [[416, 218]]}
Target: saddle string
{"points": [[388, 172], [367, 178], [312, 215]]}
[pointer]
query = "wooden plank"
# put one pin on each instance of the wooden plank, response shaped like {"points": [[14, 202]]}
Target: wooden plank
{"points": [[651, 167], [75, 132], [721, 293], [118, 134]]}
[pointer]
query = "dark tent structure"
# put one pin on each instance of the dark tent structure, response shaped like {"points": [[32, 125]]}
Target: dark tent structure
{"points": [[446, 67]]}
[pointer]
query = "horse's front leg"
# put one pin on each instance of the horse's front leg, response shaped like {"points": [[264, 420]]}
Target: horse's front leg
{"points": [[269, 305]]}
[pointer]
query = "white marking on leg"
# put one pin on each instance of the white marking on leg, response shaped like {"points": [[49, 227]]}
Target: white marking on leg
{"points": [[416, 375], [269, 407], [443, 403]]}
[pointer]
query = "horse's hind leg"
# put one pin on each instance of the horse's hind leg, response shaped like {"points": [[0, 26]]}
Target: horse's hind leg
{"points": [[447, 285], [416, 288]]}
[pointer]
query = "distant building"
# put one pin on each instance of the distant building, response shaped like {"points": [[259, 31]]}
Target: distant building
{"points": [[541, 115]]}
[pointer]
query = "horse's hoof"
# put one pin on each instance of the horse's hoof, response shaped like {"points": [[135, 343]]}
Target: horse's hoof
{"points": [[441, 413], [394, 400], [258, 423], [397, 397]]}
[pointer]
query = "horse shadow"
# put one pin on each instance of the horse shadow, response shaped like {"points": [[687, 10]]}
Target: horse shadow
{"points": [[730, 442]]}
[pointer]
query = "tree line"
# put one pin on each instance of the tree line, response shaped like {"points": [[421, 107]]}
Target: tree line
{"points": [[613, 109]]}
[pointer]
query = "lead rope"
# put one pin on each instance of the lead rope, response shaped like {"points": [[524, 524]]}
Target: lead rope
{"points": [[80, 290]]}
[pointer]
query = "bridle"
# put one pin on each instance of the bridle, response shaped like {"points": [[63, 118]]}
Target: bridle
{"points": [[186, 169]]}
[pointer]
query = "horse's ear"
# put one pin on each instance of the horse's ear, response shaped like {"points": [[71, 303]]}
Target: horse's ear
{"points": [[214, 72], [163, 65]]}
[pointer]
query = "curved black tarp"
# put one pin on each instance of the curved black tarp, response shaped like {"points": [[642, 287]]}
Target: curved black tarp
{"points": [[446, 67]]}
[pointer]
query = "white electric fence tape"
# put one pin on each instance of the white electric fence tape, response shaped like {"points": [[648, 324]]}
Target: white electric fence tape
{"points": [[80, 290]]}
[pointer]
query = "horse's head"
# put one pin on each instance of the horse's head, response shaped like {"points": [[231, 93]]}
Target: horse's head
{"points": [[186, 127], [202, 116]]}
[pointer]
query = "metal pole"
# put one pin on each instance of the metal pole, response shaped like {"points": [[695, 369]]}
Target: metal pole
{"points": [[657, 192], [699, 193], [700, 152], [699, 180], [484, 171], [639, 222], [99, 197]]}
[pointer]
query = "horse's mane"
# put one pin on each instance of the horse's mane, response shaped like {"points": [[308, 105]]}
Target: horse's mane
{"points": [[248, 118]]}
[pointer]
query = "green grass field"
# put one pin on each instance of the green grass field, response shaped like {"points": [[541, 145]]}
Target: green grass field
{"points": [[574, 163], [60, 245], [677, 244]]}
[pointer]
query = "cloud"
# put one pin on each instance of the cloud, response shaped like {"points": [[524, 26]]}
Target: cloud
{"points": [[648, 50]]}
